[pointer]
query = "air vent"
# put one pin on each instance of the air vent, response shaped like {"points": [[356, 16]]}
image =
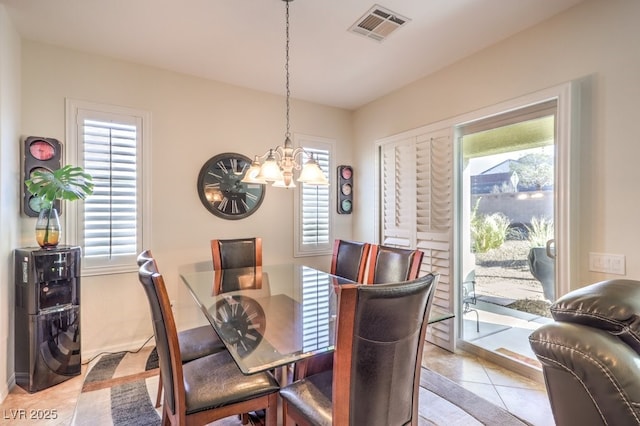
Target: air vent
{"points": [[378, 23]]}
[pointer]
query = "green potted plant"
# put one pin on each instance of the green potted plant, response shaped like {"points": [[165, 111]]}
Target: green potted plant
{"points": [[68, 183], [487, 231], [542, 266]]}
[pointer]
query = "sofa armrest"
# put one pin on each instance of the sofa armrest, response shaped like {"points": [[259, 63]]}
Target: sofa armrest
{"points": [[590, 374]]}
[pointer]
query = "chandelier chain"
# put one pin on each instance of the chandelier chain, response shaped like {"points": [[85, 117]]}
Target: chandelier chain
{"points": [[280, 162], [286, 66]]}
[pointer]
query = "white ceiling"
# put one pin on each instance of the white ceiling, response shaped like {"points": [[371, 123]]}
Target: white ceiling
{"points": [[242, 42]]}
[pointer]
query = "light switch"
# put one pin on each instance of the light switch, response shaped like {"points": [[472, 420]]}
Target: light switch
{"points": [[607, 263]]}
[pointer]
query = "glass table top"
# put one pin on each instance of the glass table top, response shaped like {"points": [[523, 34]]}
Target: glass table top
{"points": [[272, 315]]}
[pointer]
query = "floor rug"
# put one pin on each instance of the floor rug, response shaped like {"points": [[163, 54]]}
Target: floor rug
{"points": [[120, 389], [479, 408]]}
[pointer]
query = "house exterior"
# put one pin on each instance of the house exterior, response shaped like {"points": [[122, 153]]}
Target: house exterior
{"points": [[194, 119]]}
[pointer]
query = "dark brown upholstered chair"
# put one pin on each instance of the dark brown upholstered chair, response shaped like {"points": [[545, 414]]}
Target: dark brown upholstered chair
{"points": [[205, 389], [194, 342], [349, 259], [391, 265], [590, 355], [376, 370], [386, 265], [236, 253]]}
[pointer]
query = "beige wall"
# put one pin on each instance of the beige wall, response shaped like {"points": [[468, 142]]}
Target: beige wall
{"points": [[9, 178], [596, 39], [192, 120]]}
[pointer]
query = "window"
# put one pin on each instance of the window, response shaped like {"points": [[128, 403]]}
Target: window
{"points": [[108, 142], [313, 215]]}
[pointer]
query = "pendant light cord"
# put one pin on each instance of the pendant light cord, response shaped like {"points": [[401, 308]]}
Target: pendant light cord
{"points": [[286, 66]]}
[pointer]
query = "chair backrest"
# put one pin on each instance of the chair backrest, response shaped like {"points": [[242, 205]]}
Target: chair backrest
{"points": [[391, 265], [349, 259], [247, 278], [378, 356], [166, 335], [236, 253], [146, 256]]}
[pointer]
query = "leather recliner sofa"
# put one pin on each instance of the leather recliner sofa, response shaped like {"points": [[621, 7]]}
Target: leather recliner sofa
{"points": [[590, 355]]}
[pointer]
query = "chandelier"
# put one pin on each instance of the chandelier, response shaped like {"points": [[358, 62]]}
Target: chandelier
{"points": [[280, 162]]}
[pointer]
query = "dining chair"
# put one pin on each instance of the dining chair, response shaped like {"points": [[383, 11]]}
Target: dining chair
{"points": [[386, 265], [377, 359], [391, 264], [236, 253], [193, 342], [349, 259], [208, 388]]}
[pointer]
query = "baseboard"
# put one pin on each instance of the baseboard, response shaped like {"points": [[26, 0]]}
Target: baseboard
{"points": [[4, 392], [129, 346]]}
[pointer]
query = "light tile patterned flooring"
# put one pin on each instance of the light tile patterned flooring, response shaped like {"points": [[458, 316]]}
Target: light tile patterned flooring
{"points": [[523, 397]]}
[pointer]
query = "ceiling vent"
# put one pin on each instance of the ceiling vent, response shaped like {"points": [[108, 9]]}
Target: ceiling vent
{"points": [[378, 23]]}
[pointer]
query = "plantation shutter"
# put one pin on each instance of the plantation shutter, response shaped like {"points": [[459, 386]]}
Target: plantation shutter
{"points": [[416, 189], [315, 206], [399, 194], [111, 213], [313, 234], [434, 220]]}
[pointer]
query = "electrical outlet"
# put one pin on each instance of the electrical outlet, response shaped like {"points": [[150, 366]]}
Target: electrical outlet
{"points": [[607, 263]]}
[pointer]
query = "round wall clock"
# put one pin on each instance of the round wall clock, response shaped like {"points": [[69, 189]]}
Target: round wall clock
{"points": [[222, 191]]}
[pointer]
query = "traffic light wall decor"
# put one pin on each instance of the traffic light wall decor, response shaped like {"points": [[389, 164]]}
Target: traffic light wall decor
{"points": [[345, 189], [39, 154]]}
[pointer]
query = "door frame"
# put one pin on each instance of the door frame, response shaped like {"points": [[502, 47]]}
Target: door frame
{"points": [[567, 180], [566, 188], [566, 175]]}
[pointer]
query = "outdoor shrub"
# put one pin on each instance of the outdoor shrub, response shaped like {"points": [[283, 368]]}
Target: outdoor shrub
{"points": [[488, 231], [540, 231]]}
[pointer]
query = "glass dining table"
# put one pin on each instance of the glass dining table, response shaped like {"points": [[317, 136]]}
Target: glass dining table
{"points": [[270, 316]]}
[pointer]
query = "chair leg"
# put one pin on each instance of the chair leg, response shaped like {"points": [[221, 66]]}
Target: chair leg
{"points": [[159, 396], [272, 411], [286, 420]]}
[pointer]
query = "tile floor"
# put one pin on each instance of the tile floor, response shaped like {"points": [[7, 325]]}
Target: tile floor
{"points": [[523, 397]]}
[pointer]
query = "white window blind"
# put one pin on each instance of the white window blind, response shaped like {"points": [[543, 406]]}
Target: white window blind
{"points": [[108, 142], [110, 214], [313, 216], [315, 205]]}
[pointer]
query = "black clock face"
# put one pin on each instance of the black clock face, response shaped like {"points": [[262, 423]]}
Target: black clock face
{"points": [[241, 322], [222, 191]]}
